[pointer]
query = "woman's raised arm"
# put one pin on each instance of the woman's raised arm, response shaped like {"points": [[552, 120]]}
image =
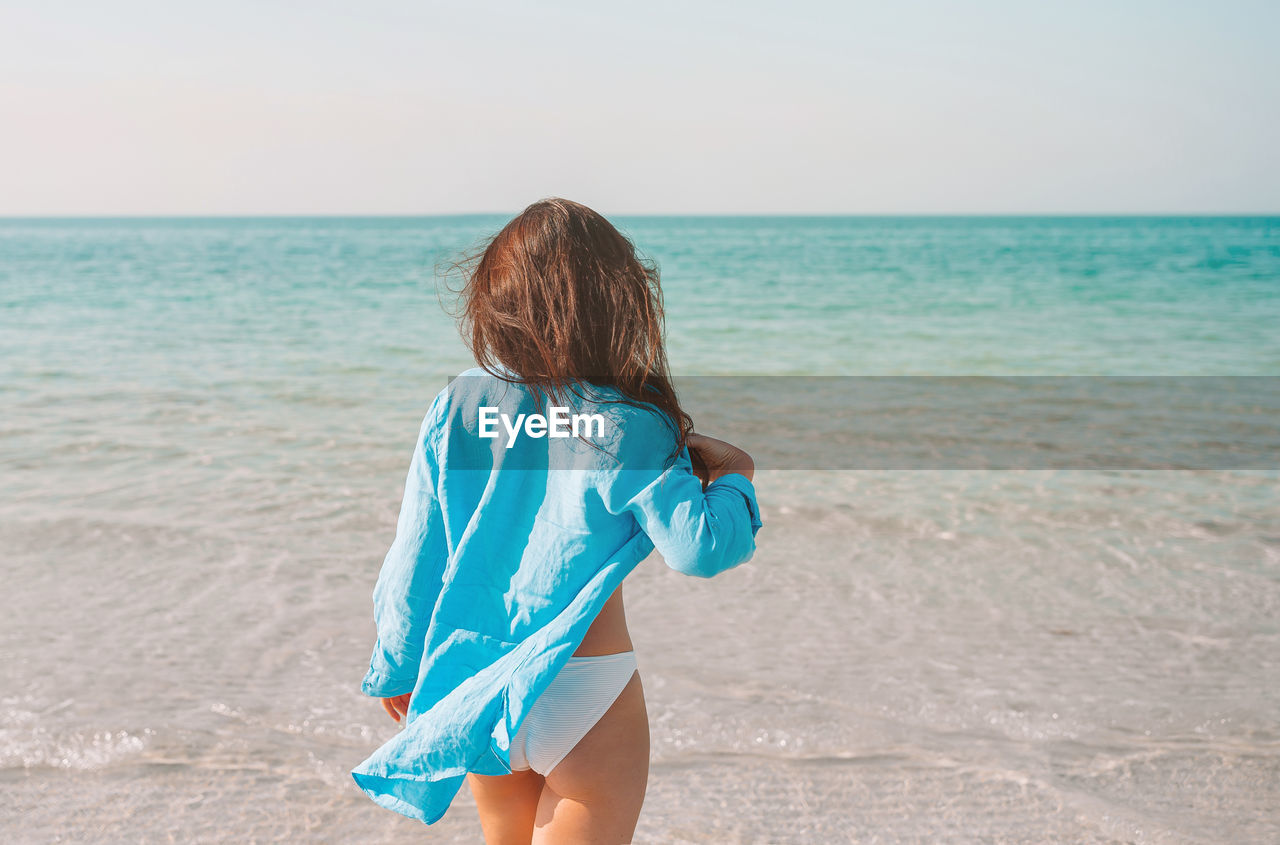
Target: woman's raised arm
{"points": [[699, 532]]}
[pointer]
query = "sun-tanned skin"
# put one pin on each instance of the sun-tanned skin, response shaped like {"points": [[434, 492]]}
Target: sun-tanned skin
{"points": [[594, 795]]}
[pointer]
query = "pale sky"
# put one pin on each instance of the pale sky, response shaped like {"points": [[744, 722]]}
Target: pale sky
{"points": [[797, 107]]}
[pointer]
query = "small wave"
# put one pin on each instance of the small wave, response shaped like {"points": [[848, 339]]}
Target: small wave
{"points": [[76, 750], [26, 744]]}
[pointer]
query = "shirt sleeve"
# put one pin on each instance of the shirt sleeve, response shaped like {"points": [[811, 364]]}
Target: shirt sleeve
{"points": [[697, 532], [410, 580]]}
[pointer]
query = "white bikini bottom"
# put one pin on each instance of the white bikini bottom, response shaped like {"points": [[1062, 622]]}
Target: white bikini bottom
{"points": [[571, 705]]}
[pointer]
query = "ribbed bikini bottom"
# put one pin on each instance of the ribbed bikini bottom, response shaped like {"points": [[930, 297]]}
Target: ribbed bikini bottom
{"points": [[570, 707]]}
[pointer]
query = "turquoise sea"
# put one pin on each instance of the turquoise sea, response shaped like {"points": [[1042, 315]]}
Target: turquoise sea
{"points": [[205, 428]]}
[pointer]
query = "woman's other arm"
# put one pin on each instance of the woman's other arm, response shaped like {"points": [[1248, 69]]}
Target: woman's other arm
{"points": [[410, 579]]}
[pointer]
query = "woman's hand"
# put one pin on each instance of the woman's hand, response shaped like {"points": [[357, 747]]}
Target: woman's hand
{"points": [[713, 458], [398, 706]]}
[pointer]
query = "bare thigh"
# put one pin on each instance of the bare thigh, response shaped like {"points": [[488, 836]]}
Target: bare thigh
{"points": [[507, 805], [595, 793]]}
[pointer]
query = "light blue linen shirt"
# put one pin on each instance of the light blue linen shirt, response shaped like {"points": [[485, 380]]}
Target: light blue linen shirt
{"points": [[503, 557]]}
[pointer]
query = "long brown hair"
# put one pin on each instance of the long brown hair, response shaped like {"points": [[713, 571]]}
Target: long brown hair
{"points": [[560, 298]]}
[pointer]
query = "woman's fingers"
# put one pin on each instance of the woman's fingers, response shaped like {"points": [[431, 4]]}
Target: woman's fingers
{"points": [[714, 453], [701, 449], [397, 706], [699, 441], [720, 457]]}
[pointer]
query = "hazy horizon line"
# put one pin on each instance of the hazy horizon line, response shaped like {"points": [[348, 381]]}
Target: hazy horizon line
{"points": [[695, 214]]}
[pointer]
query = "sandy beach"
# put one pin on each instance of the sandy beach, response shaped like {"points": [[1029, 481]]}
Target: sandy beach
{"points": [[204, 440]]}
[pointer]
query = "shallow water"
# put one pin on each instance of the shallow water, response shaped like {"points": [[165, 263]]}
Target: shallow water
{"points": [[206, 425]]}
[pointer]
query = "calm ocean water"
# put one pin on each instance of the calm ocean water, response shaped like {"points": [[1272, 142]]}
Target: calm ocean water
{"points": [[205, 429]]}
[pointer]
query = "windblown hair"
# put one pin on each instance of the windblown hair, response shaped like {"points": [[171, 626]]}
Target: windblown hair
{"points": [[560, 298]]}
